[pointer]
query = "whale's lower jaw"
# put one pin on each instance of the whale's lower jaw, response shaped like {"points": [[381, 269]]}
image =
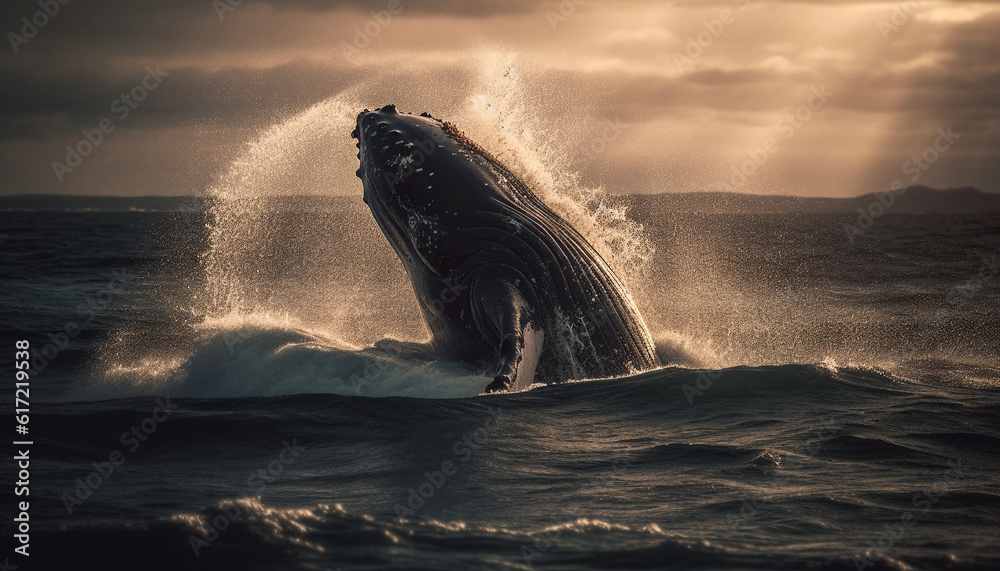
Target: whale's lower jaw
{"points": [[503, 282]]}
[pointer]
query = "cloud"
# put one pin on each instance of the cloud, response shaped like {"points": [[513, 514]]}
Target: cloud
{"points": [[956, 14], [647, 36], [609, 60]]}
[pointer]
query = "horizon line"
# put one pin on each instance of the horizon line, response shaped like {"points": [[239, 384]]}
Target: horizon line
{"points": [[688, 192]]}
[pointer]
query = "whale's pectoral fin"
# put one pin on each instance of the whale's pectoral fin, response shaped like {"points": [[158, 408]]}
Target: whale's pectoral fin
{"points": [[505, 310], [519, 354]]}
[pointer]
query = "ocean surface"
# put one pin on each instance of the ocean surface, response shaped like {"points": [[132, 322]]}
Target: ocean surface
{"points": [[260, 403]]}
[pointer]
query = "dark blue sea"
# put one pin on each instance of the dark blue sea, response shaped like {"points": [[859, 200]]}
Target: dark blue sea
{"points": [[261, 403]]}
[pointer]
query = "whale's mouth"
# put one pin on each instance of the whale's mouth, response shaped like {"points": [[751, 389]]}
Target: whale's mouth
{"points": [[376, 143], [387, 141], [376, 140]]}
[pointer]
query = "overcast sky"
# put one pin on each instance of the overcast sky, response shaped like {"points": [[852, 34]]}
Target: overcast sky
{"points": [[683, 94]]}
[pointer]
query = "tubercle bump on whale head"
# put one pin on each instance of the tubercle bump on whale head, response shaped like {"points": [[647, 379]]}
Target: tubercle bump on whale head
{"points": [[375, 124]]}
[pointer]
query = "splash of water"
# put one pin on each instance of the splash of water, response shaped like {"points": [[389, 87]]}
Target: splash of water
{"points": [[273, 251], [503, 116], [280, 244], [294, 258]]}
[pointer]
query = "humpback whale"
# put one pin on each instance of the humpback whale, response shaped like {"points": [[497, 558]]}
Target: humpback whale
{"points": [[502, 281]]}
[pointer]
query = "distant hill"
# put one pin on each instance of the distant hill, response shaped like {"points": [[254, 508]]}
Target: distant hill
{"points": [[914, 200]]}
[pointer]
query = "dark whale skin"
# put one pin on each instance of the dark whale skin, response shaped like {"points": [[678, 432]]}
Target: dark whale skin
{"points": [[502, 281]]}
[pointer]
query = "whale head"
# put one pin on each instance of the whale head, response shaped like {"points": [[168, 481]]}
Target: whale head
{"points": [[420, 175]]}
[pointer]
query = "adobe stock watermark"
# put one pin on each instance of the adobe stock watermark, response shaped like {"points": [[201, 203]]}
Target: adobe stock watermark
{"points": [[571, 333], [364, 35], [448, 294], [955, 297], [191, 212], [463, 451], [595, 487], [915, 167], [900, 17], [766, 318], [411, 164], [961, 294], [122, 108], [753, 504], [132, 439], [302, 271], [596, 145], [697, 45], [223, 7], [566, 9], [786, 128], [92, 307], [895, 531], [373, 370], [31, 26], [703, 382], [257, 481]]}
